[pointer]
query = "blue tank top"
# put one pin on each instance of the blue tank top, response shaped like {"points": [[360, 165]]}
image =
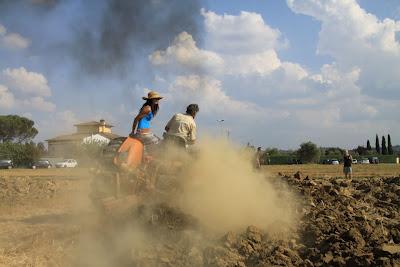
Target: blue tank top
{"points": [[144, 122]]}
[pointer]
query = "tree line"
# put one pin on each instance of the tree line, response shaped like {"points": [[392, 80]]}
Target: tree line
{"points": [[311, 153], [383, 149], [16, 143], [16, 135]]}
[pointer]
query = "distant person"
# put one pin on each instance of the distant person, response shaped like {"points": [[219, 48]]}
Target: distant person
{"points": [[347, 161], [181, 128], [257, 158]]}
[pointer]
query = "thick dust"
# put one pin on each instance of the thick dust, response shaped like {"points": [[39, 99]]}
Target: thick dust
{"points": [[224, 192], [216, 191]]}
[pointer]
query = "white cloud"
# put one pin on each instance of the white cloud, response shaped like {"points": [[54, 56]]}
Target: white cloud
{"points": [[184, 52], [214, 101], [185, 57], [208, 92], [16, 41], [245, 33], [13, 40], [7, 100], [357, 39], [255, 86], [294, 71], [260, 63], [251, 84], [38, 103], [30, 83], [24, 91], [237, 45], [3, 30]]}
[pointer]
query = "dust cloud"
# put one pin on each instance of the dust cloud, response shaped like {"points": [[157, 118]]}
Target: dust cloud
{"points": [[216, 191], [222, 190]]}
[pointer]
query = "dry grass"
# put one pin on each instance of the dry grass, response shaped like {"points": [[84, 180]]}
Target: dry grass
{"points": [[43, 232], [318, 170], [46, 173]]}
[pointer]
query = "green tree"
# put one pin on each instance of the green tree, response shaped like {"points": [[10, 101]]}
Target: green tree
{"points": [[332, 151], [14, 128], [272, 151], [308, 152], [361, 150], [377, 148], [20, 154], [390, 148], [369, 145], [384, 148]]}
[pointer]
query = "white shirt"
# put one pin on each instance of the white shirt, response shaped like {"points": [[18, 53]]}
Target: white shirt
{"points": [[182, 125]]}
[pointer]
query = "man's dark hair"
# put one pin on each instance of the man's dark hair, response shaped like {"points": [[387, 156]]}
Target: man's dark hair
{"points": [[192, 109]]}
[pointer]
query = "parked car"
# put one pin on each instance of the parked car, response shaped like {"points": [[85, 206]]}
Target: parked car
{"points": [[334, 162], [294, 161], [354, 161], [374, 160], [6, 164], [364, 161], [67, 163], [42, 164], [326, 161]]}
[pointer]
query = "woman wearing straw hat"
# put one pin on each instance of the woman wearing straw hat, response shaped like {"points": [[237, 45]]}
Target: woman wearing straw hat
{"points": [[142, 121], [141, 138]]}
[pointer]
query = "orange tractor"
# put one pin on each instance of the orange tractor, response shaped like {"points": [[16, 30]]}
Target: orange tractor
{"points": [[131, 174]]}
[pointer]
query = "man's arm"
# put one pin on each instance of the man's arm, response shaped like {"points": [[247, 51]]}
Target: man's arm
{"points": [[168, 126], [192, 134]]}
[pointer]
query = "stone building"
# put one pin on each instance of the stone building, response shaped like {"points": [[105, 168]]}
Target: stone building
{"points": [[87, 132]]}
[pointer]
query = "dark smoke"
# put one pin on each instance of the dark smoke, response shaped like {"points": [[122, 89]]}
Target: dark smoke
{"points": [[104, 37], [131, 28]]}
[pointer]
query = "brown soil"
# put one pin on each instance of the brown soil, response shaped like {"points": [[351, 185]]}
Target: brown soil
{"points": [[343, 223], [49, 222], [40, 219]]}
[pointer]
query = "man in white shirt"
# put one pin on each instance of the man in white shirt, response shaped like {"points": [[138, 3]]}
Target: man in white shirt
{"points": [[181, 128]]}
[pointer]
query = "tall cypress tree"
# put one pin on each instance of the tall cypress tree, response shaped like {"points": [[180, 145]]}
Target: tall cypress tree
{"points": [[390, 148], [368, 145], [384, 148], [377, 148]]}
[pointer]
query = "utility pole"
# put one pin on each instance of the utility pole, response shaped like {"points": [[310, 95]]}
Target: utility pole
{"points": [[220, 122]]}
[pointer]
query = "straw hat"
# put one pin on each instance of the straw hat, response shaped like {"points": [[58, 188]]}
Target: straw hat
{"points": [[152, 95]]}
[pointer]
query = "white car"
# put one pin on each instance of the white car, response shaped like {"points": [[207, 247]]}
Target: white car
{"points": [[364, 161], [67, 163], [334, 162]]}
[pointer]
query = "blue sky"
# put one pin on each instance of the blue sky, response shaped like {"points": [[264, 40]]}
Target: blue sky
{"points": [[278, 72], [302, 31]]}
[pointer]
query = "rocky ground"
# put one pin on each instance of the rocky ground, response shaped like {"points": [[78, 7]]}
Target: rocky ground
{"points": [[342, 223]]}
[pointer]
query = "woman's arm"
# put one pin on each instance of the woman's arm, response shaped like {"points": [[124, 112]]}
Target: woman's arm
{"points": [[143, 113]]}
